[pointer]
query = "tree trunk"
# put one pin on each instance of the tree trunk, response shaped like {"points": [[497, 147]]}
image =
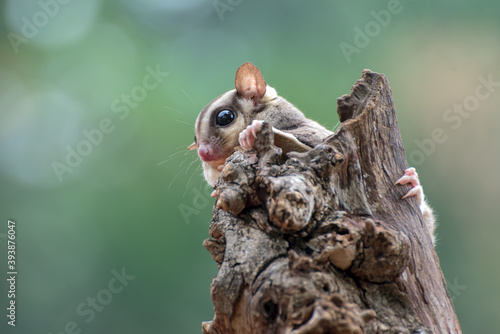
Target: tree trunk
{"points": [[322, 242]]}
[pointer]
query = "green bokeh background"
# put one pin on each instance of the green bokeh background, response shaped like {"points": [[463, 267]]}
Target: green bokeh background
{"points": [[121, 205]]}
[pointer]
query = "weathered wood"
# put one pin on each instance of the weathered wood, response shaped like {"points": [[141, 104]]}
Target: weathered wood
{"points": [[322, 242]]}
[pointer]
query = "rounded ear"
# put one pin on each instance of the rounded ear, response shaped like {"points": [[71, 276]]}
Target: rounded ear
{"points": [[250, 83]]}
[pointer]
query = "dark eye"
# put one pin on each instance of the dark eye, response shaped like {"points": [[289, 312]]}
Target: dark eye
{"points": [[225, 117]]}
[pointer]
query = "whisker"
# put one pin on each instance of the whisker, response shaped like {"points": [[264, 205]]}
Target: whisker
{"points": [[199, 168], [179, 173], [207, 186], [189, 97], [183, 161], [169, 159], [201, 188], [184, 122], [177, 111], [179, 152], [175, 156], [182, 147], [192, 162], [188, 185], [162, 162], [191, 177], [174, 178]]}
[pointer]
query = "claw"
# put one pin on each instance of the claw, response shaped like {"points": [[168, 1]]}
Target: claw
{"points": [[256, 127], [408, 179], [413, 192], [411, 176], [247, 136]]}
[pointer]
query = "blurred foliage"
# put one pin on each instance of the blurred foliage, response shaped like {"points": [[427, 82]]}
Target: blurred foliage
{"points": [[76, 76]]}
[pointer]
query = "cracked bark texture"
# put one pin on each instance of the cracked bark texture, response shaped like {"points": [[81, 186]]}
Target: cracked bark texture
{"points": [[321, 241]]}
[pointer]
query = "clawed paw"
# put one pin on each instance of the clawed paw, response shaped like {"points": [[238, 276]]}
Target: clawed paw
{"points": [[411, 176], [247, 136]]}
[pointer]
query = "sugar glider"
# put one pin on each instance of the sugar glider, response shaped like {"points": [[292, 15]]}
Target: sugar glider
{"points": [[235, 118]]}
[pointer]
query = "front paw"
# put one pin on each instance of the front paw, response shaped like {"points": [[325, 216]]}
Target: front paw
{"points": [[411, 176], [247, 136]]}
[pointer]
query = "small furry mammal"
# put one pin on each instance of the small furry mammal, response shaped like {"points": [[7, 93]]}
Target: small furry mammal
{"points": [[236, 117]]}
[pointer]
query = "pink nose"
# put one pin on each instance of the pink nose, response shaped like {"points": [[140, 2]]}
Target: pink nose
{"points": [[206, 152]]}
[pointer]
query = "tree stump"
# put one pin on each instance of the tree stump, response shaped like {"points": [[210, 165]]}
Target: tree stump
{"points": [[321, 241]]}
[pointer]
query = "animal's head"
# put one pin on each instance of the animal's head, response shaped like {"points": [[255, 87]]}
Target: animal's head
{"points": [[219, 124]]}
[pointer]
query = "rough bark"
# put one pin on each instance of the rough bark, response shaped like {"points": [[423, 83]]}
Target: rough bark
{"points": [[322, 242]]}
